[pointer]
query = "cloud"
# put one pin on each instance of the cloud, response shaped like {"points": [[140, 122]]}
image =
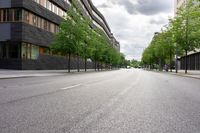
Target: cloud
{"points": [[158, 20], [133, 22], [152, 7], [146, 7], [104, 5]]}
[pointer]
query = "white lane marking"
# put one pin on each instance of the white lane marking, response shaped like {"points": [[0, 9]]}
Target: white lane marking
{"points": [[69, 87]]}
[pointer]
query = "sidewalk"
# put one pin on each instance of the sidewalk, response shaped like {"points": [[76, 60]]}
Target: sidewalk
{"points": [[191, 74], [9, 74]]}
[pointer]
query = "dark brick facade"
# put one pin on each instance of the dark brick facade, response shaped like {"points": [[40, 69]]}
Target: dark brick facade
{"points": [[44, 62], [5, 31], [5, 3], [193, 62], [90, 8], [38, 9], [19, 32], [22, 32]]}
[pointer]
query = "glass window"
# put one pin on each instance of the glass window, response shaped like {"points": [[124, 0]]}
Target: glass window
{"points": [[62, 13], [34, 52], [42, 23], [49, 26], [45, 25], [38, 22], [30, 18], [4, 15], [1, 50], [44, 50], [57, 29], [52, 27], [4, 49], [55, 9], [11, 50], [26, 16], [10, 15], [59, 12], [17, 14], [34, 20], [24, 51], [48, 5], [44, 3], [28, 51], [1, 15], [52, 7]]}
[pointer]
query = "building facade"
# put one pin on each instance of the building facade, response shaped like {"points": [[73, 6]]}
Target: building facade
{"points": [[178, 4], [28, 27], [193, 58]]}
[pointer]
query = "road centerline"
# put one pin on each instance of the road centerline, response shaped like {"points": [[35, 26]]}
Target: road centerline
{"points": [[70, 87]]}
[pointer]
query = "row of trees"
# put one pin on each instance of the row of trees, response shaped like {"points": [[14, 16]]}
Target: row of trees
{"points": [[179, 37], [79, 37], [135, 63]]}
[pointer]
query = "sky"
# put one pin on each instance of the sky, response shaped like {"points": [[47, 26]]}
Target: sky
{"points": [[134, 22]]}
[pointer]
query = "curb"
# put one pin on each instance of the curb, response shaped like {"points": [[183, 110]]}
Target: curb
{"points": [[178, 74], [63, 74], [2, 78], [183, 75]]}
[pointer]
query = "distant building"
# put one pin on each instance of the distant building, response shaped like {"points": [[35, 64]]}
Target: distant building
{"points": [[27, 28]]}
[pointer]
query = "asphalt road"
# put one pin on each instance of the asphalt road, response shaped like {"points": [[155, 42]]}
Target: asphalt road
{"points": [[123, 101]]}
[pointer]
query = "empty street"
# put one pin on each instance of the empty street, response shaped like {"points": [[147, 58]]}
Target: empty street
{"points": [[128, 101]]}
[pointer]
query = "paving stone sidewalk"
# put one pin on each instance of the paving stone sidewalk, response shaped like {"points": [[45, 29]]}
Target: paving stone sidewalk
{"points": [[191, 74], [8, 74]]}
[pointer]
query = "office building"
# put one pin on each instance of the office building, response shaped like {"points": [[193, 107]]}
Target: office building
{"points": [[28, 27]]}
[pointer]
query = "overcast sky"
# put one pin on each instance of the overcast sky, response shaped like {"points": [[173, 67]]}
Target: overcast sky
{"points": [[134, 22]]}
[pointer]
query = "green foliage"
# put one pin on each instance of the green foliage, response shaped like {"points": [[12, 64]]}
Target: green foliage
{"points": [[78, 36], [181, 35], [161, 50], [135, 64]]}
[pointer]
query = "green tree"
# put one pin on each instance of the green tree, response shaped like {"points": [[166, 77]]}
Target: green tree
{"points": [[186, 28], [72, 34], [79, 37]]}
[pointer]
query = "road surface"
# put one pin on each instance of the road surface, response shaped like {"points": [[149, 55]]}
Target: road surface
{"points": [[121, 101]]}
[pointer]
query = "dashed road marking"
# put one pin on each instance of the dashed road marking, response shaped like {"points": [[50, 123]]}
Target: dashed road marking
{"points": [[70, 87]]}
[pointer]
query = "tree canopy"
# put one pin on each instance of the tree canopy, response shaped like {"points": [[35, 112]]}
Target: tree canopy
{"points": [[180, 36], [79, 36]]}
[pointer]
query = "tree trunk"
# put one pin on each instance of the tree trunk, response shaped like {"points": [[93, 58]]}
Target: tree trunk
{"points": [[160, 65], [170, 61], [98, 66], [85, 64], [176, 60], [69, 62], [95, 65], [176, 64], [78, 63], [186, 61]]}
